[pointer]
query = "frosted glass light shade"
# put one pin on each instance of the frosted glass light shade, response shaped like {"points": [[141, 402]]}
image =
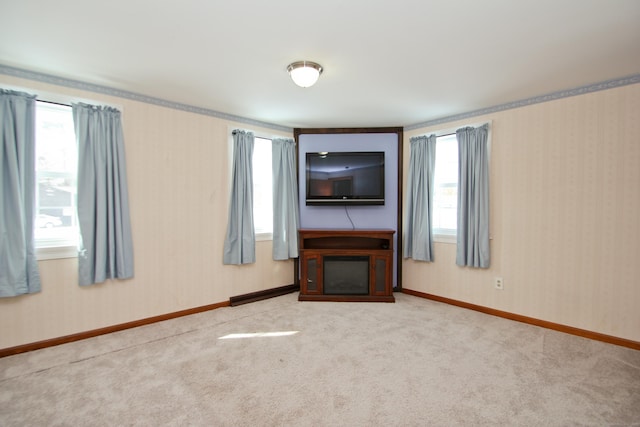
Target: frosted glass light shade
{"points": [[304, 73]]}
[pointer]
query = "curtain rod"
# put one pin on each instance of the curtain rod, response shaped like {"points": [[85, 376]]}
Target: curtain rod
{"points": [[439, 136], [53, 102]]}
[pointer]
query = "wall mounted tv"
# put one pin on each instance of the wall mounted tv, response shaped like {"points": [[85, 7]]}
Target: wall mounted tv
{"points": [[345, 178]]}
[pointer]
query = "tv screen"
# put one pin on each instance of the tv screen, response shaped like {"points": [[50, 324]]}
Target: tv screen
{"points": [[345, 178]]}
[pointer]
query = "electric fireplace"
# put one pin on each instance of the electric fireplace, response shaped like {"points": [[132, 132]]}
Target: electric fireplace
{"points": [[346, 275], [346, 265]]}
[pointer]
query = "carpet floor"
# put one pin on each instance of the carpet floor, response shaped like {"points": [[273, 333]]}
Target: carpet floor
{"points": [[281, 362]]}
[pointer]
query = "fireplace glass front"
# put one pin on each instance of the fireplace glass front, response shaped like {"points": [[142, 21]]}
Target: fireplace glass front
{"points": [[346, 275]]}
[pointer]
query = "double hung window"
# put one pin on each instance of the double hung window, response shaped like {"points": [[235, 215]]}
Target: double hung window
{"points": [[56, 225], [445, 197], [262, 189]]}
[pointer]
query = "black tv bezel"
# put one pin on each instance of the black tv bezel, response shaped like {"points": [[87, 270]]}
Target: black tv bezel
{"points": [[362, 200]]}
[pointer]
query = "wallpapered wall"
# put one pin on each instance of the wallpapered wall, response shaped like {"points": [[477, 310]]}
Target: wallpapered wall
{"points": [[178, 170], [565, 203]]}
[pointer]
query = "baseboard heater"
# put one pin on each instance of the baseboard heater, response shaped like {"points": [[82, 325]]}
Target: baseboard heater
{"points": [[261, 295], [237, 300]]}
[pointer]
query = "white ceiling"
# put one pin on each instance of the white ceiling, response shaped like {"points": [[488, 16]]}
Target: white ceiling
{"points": [[387, 63]]}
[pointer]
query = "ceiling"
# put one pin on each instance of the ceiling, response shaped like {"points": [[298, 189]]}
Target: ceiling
{"points": [[386, 63]]}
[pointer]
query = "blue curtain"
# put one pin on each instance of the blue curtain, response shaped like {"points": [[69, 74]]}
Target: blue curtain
{"points": [[418, 238], [106, 247], [18, 265], [473, 197], [285, 199], [240, 241]]}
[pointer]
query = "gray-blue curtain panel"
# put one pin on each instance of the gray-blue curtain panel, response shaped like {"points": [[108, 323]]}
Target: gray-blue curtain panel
{"points": [[240, 240], [106, 244], [285, 199], [18, 265], [473, 197], [418, 236]]}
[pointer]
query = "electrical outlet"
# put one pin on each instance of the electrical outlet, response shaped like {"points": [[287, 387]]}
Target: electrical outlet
{"points": [[498, 283]]}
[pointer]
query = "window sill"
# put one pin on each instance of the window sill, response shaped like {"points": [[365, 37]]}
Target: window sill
{"points": [[263, 237], [56, 252], [445, 238]]}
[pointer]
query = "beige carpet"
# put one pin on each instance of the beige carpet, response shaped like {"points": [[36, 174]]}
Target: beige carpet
{"points": [[412, 363]]}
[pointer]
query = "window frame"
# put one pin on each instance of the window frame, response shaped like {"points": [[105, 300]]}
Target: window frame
{"points": [[52, 251], [444, 235], [260, 237], [56, 247], [452, 238]]}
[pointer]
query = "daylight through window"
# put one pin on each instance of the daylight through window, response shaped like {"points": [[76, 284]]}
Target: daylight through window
{"points": [[56, 222], [262, 188], [445, 199]]}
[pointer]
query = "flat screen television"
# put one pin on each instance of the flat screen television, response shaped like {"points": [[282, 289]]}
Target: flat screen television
{"points": [[345, 178]]}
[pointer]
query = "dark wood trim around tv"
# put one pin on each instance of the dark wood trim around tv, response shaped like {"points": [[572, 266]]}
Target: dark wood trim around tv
{"points": [[399, 132], [530, 320], [300, 131]]}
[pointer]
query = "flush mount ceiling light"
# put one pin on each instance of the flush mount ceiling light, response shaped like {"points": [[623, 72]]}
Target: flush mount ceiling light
{"points": [[304, 73]]}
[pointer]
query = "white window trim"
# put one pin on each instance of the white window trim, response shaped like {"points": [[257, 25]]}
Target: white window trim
{"points": [[264, 237], [62, 246], [56, 252], [441, 235], [448, 238]]}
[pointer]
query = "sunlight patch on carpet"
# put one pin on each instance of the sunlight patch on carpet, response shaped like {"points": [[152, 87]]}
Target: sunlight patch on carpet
{"points": [[259, 335]]}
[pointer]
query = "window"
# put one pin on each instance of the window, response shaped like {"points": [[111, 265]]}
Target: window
{"points": [[445, 198], [262, 189], [56, 226]]}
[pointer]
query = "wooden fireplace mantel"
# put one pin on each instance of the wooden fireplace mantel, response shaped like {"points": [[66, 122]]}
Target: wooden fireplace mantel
{"points": [[375, 245]]}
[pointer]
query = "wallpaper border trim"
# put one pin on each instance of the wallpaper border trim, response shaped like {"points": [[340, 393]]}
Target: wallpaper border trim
{"points": [[581, 90], [76, 84], [105, 90]]}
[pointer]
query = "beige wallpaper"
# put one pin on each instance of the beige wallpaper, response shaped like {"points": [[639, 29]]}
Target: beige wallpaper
{"points": [[565, 216], [178, 170], [565, 203]]}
